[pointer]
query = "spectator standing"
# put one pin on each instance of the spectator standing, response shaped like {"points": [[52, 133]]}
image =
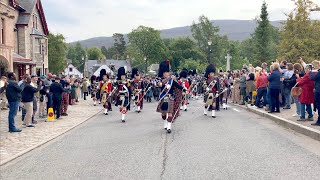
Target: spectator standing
{"points": [[13, 93], [42, 99], [307, 95], [261, 86], [85, 90], [65, 97], [316, 79], [74, 87], [283, 70], [34, 83], [250, 86], [275, 86], [242, 84], [298, 72], [56, 89], [28, 95], [3, 86], [236, 89], [22, 84], [289, 80]]}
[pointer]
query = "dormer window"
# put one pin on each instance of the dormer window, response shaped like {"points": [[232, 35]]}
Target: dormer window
{"points": [[35, 21]]}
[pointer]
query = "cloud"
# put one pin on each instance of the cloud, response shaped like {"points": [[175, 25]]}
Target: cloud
{"points": [[81, 19]]}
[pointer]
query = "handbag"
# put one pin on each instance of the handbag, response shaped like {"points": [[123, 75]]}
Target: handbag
{"points": [[296, 91]]}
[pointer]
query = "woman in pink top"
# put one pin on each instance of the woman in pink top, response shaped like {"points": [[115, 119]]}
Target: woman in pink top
{"points": [[261, 86]]}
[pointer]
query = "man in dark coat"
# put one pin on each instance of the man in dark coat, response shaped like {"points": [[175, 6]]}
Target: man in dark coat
{"points": [[56, 89], [13, 93], [316, 78]]}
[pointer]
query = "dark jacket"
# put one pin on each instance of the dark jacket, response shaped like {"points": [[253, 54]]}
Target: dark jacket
{"points": [[316, 79], [56, 89], [28, 93], [13, 91], [289, 83], [274, 80]]}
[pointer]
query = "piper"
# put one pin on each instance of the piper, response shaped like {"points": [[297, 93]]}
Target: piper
{"points": [[170, 97]]}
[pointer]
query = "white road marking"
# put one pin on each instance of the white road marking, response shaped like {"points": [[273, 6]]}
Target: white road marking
{"points": [[236, 110]]}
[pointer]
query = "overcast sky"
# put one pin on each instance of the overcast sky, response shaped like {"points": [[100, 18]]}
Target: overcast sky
{"points": [[82, 19]]}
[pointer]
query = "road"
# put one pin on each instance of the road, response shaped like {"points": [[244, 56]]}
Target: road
{"points": [[235, 145]]}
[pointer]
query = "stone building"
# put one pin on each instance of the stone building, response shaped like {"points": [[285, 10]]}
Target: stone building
{"points": [[25, 35], [8, 17]]}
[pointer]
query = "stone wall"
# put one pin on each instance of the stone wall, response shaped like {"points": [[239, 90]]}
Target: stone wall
{"points": [[10, 18]]}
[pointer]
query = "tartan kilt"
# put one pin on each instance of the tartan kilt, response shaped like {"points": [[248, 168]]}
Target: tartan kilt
{"points": [[209, 99], [170, 109]]}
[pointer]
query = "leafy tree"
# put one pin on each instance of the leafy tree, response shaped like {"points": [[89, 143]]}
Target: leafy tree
{"points": [[56, 52], [191, 64], [202, 32], [300, 37], [119, 45], [95, 53], [180, 49], [78, 56], [135, 56], [104, 51], [149, 43]]}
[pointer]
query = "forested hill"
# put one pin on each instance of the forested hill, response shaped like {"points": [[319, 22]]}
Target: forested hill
{"points": [[234, 29]]}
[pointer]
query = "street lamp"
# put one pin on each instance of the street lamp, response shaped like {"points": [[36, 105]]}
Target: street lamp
{"points": [[43, 41], [209, 50], [146, 65]]}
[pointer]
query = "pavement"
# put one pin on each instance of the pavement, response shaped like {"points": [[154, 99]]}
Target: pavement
{"points": [[236, 145], [286, 120], [13, 145]]}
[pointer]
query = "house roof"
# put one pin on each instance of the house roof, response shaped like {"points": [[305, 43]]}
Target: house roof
{"points": [[97, 72], [21, 60], [25, 17], [116, 63]]}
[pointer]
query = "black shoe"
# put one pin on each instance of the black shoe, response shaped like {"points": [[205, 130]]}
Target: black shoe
{"points": [[271, 112], [277, 111], [301, 119], [34, 122], [30, 126], [165, 128], [286, 108], [185, 110], [123, 121], [106, 114], [213, 116], [169, 131], [14, 131], [315, 124]]}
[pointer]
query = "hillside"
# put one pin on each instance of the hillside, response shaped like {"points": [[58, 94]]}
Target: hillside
{"points": [[235, 30]]}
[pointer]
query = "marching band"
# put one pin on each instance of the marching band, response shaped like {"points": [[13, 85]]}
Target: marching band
{"points": [[173, 92]]}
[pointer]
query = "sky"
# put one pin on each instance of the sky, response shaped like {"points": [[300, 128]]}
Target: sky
{"points": [[83, 19]]}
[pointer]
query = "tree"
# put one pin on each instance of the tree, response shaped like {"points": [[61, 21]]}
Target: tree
{"points": [[104, 51], [95, 54], [119, 45], [263, 41], [300, 36], [57, 53], [180, 49], [77, 54], [204, 31], [149, 43]]}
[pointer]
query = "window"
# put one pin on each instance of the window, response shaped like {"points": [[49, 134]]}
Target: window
{"points": [[70, 69], [2, 33], [35, 21], [37, 46]]}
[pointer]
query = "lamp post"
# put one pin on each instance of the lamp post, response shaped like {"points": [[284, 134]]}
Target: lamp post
{"points": [[146, 65], [209, 50], [43, 51]]}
